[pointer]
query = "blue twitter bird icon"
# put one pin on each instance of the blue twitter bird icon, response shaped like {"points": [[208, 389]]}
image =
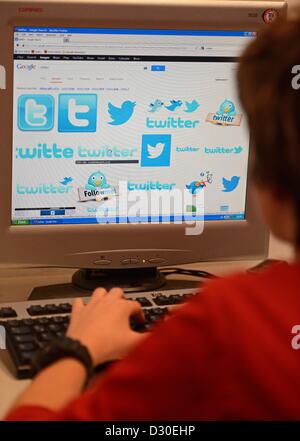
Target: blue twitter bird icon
{"points": [[173, 105], [230, 184], [66, 180], [191, 106], [120, 115]]}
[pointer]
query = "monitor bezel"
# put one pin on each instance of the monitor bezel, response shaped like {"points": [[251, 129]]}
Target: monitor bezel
{"points": [[83, 245]]}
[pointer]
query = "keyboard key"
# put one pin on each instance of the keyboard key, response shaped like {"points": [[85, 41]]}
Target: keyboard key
{"points": [[158, 311], [46, 336], [175, 299], [16, 323], [42, 321], [143, 301], [65, 307], [24, 347], [7, 312], [27, 338], [54, 327], [51, 309], [35, 310], [161, 300], [28, 322], [26, 356], [39, 328], [20, 330], [58, 319], [66, 319]]}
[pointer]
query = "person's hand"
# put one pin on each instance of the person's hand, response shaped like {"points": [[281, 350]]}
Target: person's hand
{"points": [[103, 324]]}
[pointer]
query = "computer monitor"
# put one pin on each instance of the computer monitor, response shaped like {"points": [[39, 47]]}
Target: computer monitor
{"points": [[108, 101]]}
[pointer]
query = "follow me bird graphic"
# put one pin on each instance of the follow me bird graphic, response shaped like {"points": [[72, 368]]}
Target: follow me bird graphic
{"points": [[120, 115], [230, 184], [97, 180], [227, 108]]}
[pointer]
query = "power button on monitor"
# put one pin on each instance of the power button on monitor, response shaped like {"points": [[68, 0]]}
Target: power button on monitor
{"points": [[102, 262]]}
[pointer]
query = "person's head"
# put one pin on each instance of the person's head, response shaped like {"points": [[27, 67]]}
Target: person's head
{"points": [[272, 104]]}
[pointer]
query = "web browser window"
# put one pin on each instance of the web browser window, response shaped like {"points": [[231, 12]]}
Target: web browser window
{"points": [[102, 115]]}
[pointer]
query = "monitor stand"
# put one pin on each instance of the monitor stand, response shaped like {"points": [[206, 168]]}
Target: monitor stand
{"points": [[130, 280], [84, 281]]}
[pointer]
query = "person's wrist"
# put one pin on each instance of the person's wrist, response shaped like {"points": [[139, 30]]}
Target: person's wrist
{"points": [[87, 344], [73, 365]]}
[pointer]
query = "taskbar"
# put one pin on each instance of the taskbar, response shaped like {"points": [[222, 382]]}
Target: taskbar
{"points": [[128, 220]]}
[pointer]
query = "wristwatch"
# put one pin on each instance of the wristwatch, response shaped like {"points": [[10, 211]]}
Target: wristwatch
{"points": [[58, 349]]}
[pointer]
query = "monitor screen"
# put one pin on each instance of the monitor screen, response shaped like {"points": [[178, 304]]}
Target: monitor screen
{"points": [[107, 116]]}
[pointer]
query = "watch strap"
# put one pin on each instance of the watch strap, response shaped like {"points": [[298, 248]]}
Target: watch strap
{"points": [[58, 349]]}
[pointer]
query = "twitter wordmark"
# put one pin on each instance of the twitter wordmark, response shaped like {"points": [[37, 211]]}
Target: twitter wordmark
{"points": [[156, 151], [230, 184], [120, 115]]}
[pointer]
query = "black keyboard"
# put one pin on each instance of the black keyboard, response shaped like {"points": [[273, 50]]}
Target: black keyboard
{"points": [[30, 325]]}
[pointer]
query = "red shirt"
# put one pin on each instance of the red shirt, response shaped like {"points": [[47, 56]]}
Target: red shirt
{"points": [[226, 355]]}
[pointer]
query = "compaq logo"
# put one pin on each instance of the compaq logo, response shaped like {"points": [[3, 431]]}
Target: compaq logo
{"points": [[30, 9]]}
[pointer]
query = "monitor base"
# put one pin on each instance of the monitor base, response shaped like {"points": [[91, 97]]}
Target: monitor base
{"points": [[84, 281], [130, 280]]}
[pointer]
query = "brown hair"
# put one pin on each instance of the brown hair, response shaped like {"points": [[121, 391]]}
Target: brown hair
{"points": [[273, 108]]}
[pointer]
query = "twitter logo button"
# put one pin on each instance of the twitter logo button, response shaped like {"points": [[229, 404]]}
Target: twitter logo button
{"points": [[156, 151], [120, 115], [35, 112], [77, 112], [230, 184]]}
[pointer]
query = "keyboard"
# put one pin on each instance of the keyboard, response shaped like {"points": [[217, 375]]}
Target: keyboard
{"points": [[30, 325]]}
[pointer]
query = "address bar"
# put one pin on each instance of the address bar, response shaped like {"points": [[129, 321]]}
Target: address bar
{"points": [[104, 46], [163, 49]]}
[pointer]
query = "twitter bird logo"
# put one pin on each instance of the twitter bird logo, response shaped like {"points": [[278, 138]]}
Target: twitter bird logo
{"points": [[66, 181], [195, 186], [120, 115], [230, 184], [155, 151], [157, 104], [173, 105], [191, 107]]}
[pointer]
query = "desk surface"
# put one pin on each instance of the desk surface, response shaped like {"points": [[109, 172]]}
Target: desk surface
{"points": [[17, 283]]}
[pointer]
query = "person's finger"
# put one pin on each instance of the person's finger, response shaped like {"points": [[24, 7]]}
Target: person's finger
{"points": [[135, 308], [98, 294], [77, 306], [117, 292]]}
